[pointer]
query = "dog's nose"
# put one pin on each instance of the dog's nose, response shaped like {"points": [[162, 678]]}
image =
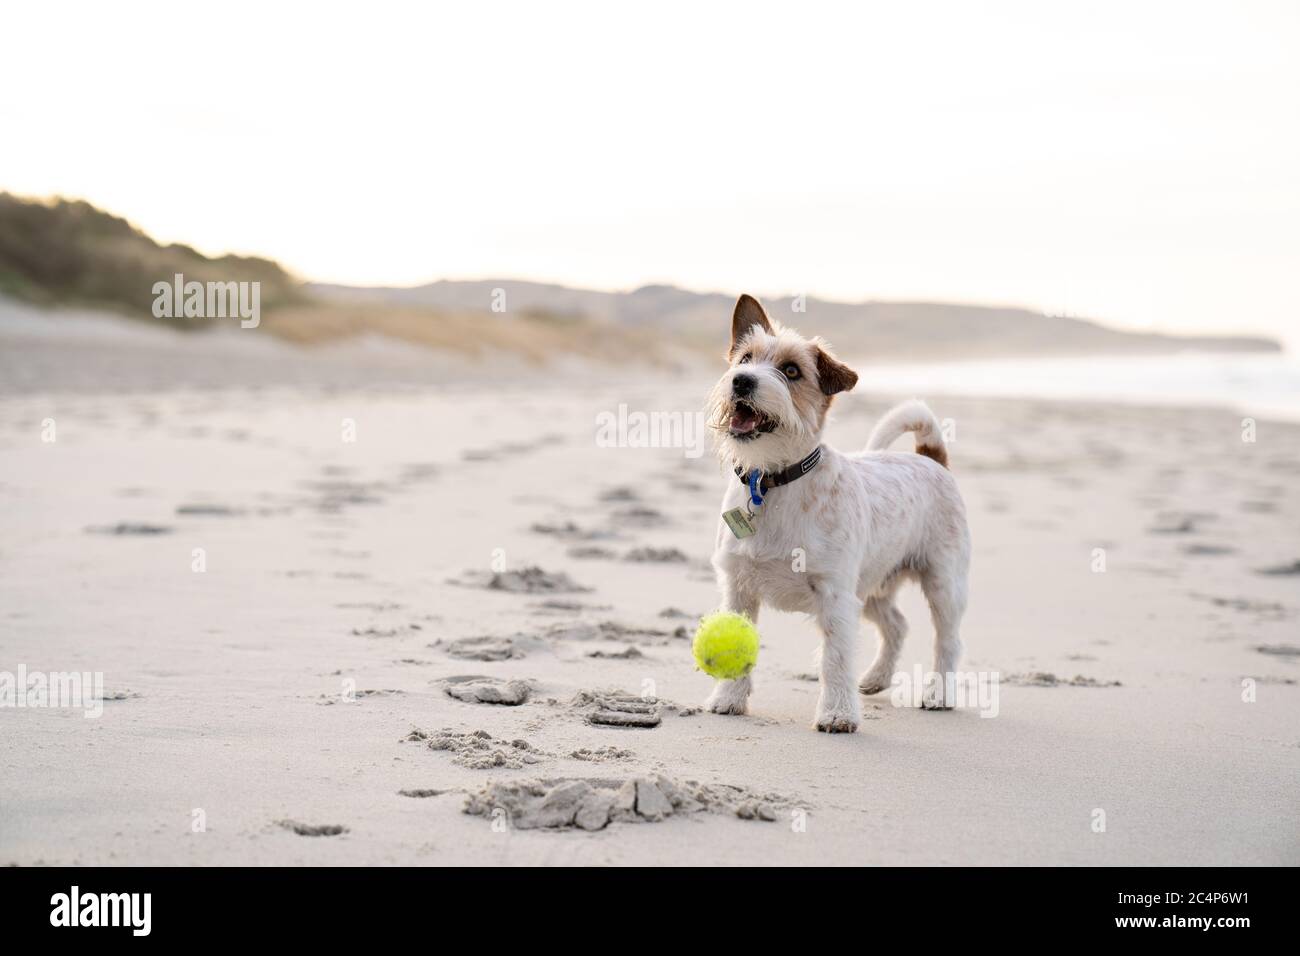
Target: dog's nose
{"points": [[742, 386]]}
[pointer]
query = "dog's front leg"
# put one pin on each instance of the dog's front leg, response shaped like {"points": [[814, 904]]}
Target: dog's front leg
{"points": [[838, 709], [732, 696]]}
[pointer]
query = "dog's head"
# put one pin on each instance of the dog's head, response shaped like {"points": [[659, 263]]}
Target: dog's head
{"points": [[769, 407]]}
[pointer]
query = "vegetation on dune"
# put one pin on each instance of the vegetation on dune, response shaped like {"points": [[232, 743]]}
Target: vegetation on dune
{"points": [[67, 252], [531, 336]]}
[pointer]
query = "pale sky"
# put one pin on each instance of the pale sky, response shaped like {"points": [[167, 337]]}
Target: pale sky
{"points": [[1134, 162]]}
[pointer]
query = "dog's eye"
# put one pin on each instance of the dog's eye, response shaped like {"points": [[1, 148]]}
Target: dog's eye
{"points": [[743, 359], [791, 371]]}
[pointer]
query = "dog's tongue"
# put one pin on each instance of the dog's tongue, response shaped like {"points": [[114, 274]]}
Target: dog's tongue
{"points": [[744, 420]]}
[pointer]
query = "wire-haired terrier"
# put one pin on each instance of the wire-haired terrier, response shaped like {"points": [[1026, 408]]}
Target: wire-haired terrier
{"points": [[806, 528]]}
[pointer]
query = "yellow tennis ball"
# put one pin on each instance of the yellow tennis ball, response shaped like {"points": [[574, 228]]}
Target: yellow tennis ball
{"points": [[726, 645]]}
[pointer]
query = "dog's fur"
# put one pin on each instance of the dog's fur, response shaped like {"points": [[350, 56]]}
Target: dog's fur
{"points": [[837, 542]]}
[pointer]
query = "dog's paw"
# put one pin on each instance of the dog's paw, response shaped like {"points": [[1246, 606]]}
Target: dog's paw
{"points": [[874, 682], [728, 699], [736, 707], [837, 724], [838, 711], [934, 698], [839, 715]]}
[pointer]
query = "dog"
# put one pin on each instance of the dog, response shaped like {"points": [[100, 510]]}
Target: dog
{"points": [[835, 534]]}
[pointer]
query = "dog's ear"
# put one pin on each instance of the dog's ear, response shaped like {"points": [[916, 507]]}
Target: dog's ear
{"points": [[747, 315], [833, 375]]}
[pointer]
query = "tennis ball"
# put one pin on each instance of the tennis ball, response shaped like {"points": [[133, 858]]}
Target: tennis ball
{"points": [[726, 645]]}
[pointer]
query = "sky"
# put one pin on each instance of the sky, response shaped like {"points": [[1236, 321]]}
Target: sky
{"points": [[1137, 163]]}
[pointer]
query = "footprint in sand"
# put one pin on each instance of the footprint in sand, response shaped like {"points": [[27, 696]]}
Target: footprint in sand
{"points": [[593, 804], [511, 449], [332, 496], [677, 614], [385, 631], [639, 516], [591, 552], [602, 754], [485, 648], [530, 580], [329, 700], [210, 511], [618, 709], [558, 606], [627, 654], [418, 471], [127, 528], [610, 631], [1281, 570], [656, 556], [1278, 650], [312, 829], [569, 531], [1264, 610], [1207, 550], [478, 750], [1180, 522], [621, 494], [478, 689], [1045, 679]]}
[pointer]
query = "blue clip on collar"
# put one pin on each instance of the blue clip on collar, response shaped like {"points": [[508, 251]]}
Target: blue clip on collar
{"points": [[755, 479]]}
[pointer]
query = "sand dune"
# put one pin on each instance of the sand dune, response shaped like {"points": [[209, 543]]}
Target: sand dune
{"points": [[881, 329]]}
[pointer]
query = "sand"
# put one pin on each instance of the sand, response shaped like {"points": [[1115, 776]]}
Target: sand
{"points": [[463, 638]]}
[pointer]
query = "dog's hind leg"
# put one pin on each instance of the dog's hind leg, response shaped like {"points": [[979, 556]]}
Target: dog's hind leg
{"points": [[946, 593], [732, 696], [881, 611]]}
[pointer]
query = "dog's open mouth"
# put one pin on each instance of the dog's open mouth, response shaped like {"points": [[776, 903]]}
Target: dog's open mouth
{"points": [[748, 422]]}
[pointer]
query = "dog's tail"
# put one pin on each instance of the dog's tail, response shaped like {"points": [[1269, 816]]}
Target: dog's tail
{"points": [[911, 416]]}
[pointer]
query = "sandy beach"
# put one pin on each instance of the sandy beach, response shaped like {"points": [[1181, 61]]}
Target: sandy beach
{"points": [[463, 636]]}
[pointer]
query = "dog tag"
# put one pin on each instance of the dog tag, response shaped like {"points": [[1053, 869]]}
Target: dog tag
{"points": [[741, 525]]}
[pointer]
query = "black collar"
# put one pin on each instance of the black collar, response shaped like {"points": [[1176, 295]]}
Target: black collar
{"points": [[785, 475]]}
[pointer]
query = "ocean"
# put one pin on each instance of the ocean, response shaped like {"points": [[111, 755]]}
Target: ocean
{"points": [[1262, 385]]}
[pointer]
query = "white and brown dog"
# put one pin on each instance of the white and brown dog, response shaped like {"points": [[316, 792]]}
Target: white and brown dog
{"points": [[835, 534]]}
